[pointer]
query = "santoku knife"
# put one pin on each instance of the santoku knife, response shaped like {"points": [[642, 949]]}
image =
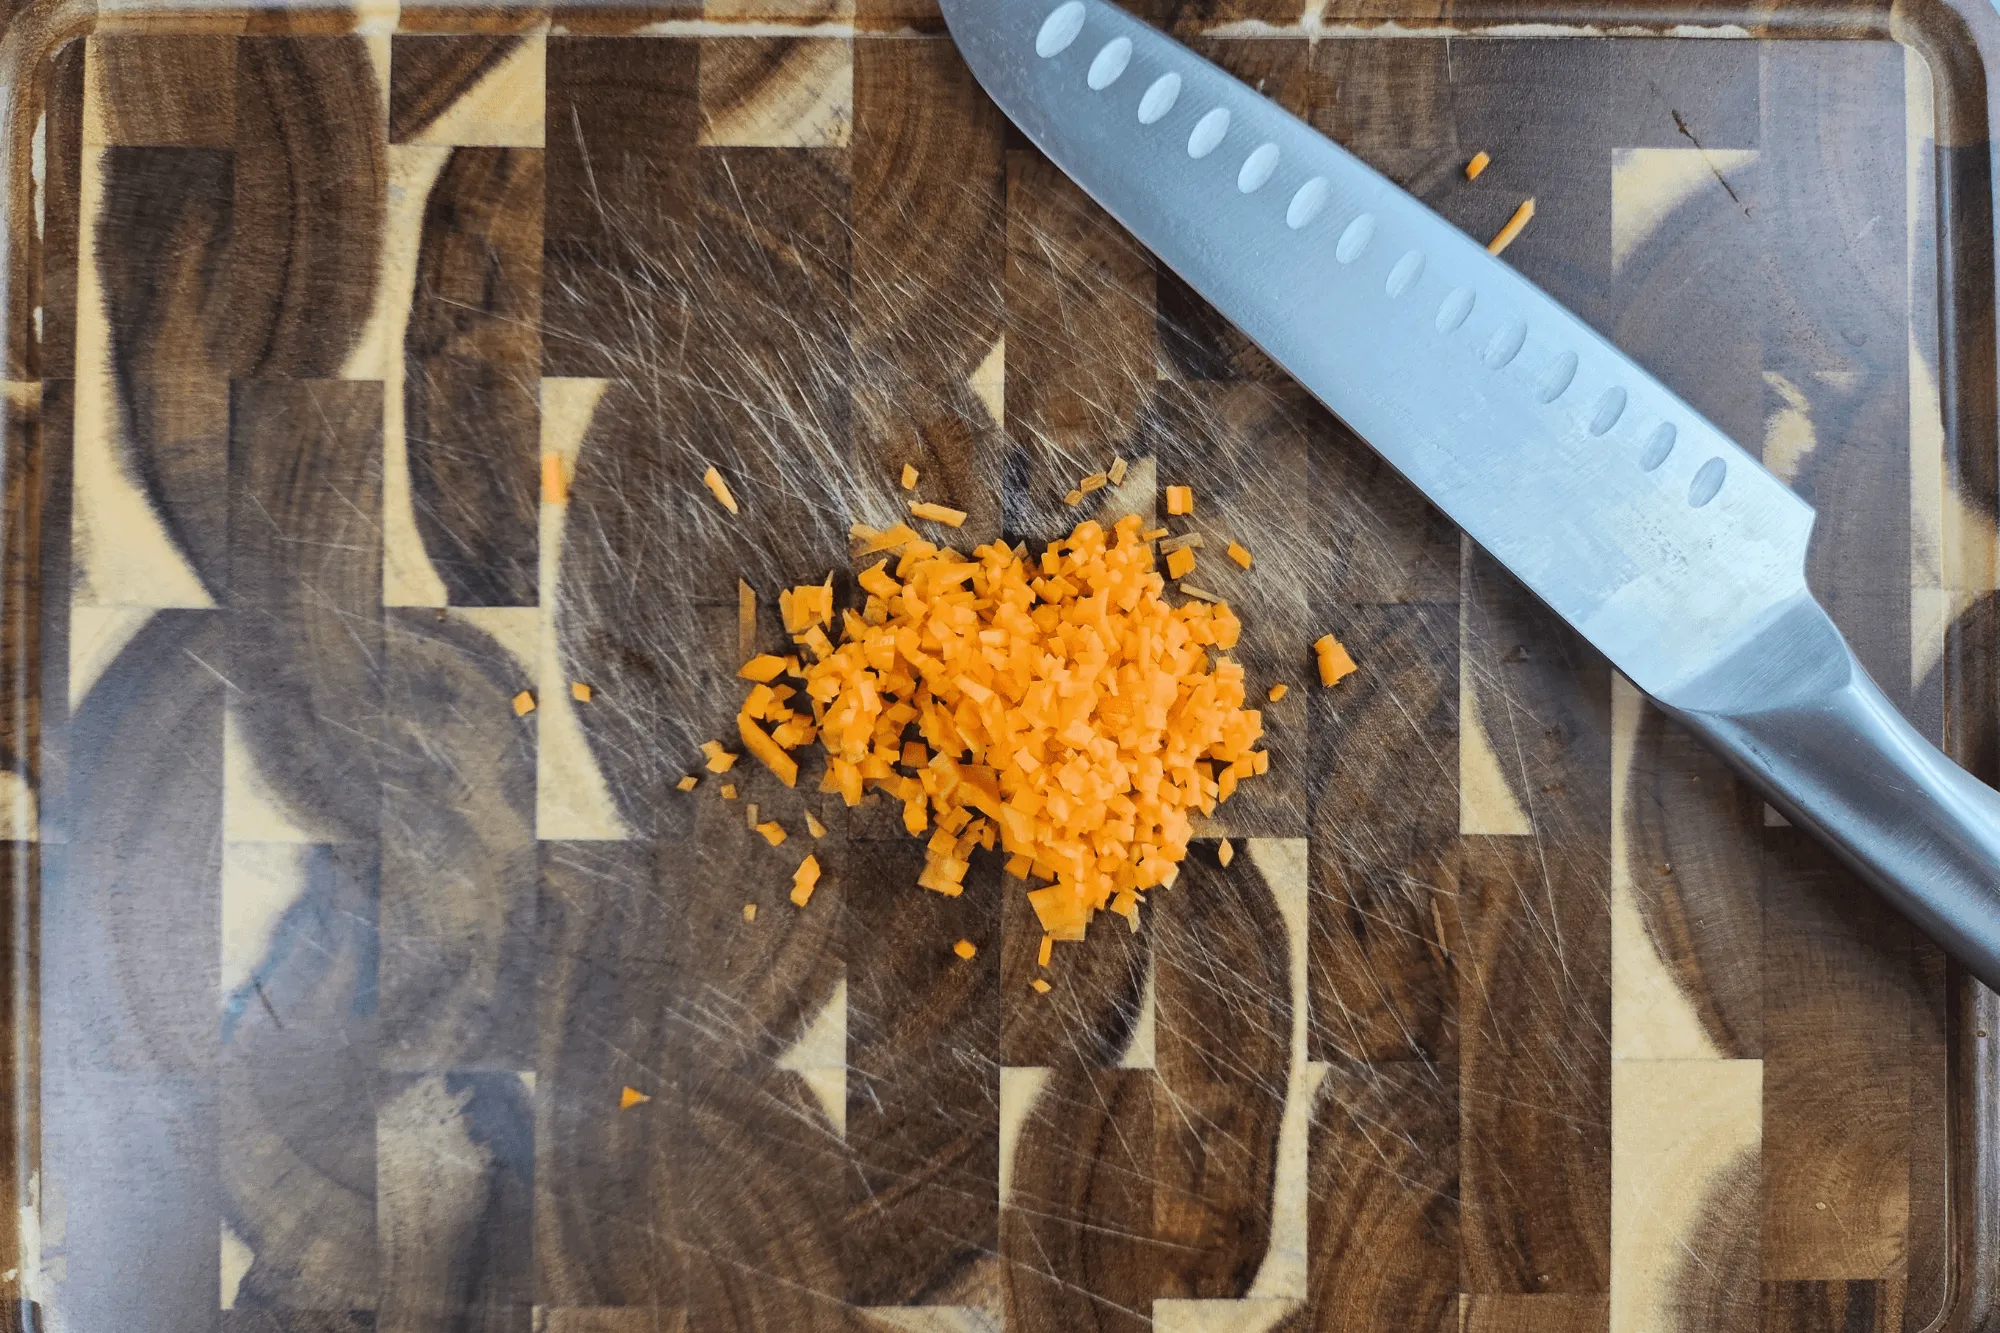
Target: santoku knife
{"points": [[1664, 543]]}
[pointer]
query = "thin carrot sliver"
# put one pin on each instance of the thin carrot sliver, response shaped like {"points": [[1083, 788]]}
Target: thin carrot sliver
{"points": [[1515, 226], [719, 489], [772, 755], [937, 513], [1480, 161]]}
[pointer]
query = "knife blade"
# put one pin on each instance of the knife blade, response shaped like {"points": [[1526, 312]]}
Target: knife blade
{"points": [[1666, 544]]}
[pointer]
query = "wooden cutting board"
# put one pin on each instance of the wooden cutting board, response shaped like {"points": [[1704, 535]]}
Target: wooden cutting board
{"points": [[1515, 1011]]}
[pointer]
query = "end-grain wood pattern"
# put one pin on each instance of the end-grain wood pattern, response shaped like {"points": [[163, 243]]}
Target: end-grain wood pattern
{"points": [[1513, 1010]]}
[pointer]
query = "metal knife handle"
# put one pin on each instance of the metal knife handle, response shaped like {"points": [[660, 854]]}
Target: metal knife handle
{"points": [[1798, 714]]}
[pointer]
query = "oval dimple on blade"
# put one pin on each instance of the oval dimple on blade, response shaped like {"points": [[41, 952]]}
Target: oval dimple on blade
{"points": [[1627, 522]]}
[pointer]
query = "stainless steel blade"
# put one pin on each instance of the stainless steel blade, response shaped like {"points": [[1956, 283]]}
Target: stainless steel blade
{"points": [[1665, 544], [1584, 475]]}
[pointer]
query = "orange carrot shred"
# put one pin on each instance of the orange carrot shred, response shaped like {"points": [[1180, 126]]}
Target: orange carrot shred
{"points": [[1180, 563], [1226, 852], [937, 513], [719, 759], [773, 831], [688, 783], [813, 826], [728, 791], [1480, 161], [909, 477], [1512, 231], [719, 489], [1278, 691], [804, 880], [1239, 555], [580, 691], [1180, 500], [749, 911], [1048, 948], [555, 486], [965, 949], [1041, 987], [772, 755], [524, 704], [763, 668], [631, 1097]]}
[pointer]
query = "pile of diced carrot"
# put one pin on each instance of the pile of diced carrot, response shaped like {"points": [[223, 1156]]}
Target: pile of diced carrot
{"points": [[1055, 706]]}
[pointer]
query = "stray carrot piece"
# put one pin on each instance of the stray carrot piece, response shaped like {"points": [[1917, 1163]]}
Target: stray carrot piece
{"points": [[763, 668], [1018, 866], [1096, 481], [749, 911], [759, 743], [804, 880], [773, 831], [1180, 500], [1261, 761], [1480, 161], [524, 704], [1334, 663], [1117, 471], [746, 619], [1048, 948], [1180, 563], [631, 1097], [1512, 231], [580, 691], [719, 489], [688, 783], [965, 949], [937, 513], [1239, 555], [1278, 691], [1191, 540], [1073, 498], [1226, 852], [813, 826], [909, 477], [719, 759], [1152, 535], [728, 791], [1041, 987], [555, 486]]}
